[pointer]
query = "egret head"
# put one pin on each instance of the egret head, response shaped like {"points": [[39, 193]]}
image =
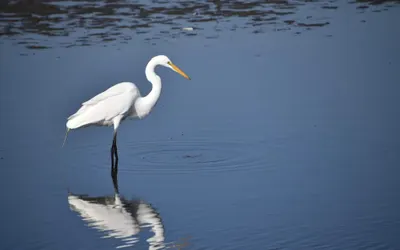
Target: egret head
{"points": [[166, 62]]}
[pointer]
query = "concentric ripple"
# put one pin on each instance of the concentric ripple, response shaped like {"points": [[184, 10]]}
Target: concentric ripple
{"points": [[180, 157]]}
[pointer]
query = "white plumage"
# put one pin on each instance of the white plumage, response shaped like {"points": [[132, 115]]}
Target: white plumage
{"points": [[107, 107], [121, 101]]}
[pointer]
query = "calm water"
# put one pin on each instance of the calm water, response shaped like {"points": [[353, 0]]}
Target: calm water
{"points": [[286, 137]]}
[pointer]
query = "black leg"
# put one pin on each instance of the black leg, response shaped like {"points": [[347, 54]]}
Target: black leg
{"points": [[114, 176], [114, 164], [115, 150], [112, 156], [114, 153]]}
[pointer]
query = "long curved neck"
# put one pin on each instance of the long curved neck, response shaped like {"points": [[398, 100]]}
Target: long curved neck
{"points": [[147, 102]]}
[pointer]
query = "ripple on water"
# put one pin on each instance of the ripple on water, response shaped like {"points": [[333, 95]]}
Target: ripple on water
{"points": [[184, 157], [37, 23]]}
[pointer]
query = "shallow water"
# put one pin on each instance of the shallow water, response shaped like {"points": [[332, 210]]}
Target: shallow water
{"points": [[285, 138]]}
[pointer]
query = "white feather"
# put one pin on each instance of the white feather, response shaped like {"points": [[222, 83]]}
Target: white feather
{"points": [[121, 100], [114, 103]]}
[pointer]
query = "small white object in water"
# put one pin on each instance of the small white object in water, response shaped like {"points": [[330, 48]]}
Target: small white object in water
{"points": [[188, 29]]}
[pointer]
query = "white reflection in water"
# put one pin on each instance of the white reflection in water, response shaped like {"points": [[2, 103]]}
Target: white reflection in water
{"points": [[119, 218]]}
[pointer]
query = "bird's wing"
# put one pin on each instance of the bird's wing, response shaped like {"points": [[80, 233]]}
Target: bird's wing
{"points": [[115, 90], [113, 102]]}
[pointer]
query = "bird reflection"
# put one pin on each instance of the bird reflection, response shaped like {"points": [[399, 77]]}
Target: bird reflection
{"points": [[118, 217]]}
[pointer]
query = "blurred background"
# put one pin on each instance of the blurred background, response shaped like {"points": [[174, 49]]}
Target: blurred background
{"points": [[285, 138]]}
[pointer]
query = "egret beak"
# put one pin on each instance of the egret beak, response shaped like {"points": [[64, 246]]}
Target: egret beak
{"points": [[178, 70]]}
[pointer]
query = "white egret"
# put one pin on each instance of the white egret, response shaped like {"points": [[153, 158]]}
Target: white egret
{"points": [[121, 101]]}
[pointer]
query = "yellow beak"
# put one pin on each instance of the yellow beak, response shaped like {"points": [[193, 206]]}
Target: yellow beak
{"points": [[178, 70]]}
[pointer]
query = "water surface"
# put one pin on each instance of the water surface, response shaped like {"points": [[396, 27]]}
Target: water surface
{"points": [[285, 138]]}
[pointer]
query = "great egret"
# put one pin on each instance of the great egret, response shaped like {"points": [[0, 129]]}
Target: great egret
{"points": [[121, 101]]}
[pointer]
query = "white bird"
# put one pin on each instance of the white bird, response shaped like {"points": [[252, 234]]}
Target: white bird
{"points": [[121, 101]]}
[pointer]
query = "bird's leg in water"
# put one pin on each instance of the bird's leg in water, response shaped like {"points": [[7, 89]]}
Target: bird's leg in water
{"points": [[112, 157], [114, 176], [114, 167], [115, 151]]}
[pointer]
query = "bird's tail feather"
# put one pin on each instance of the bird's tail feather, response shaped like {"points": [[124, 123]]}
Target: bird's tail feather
{"points": [[65, 138]]}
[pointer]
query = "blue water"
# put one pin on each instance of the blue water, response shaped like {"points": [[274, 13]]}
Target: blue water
{"points": [[285, 138]]}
